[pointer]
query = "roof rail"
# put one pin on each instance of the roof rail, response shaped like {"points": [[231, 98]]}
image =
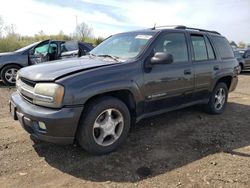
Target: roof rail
{"points": [[197, 29], [166, 26], [186, 28]]}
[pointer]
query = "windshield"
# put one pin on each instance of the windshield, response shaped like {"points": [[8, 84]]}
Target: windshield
{"points": [[123, 46], [27, 47]]}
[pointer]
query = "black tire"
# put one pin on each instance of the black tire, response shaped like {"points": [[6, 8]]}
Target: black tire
{"points": [[241, 68], [85, 134], [211, 107], [4, 76]]}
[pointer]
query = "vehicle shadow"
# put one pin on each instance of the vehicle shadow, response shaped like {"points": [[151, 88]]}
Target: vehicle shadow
{"points": [[2, 85], [157, 145]]}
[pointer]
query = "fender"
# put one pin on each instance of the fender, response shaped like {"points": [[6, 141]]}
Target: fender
{"points": [[101, 88], [225, 73]]}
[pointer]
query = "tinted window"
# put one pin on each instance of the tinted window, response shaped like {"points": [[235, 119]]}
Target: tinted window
{"points": [[224, 48], [200, 50], [175, 44], [210, 50], [247, 54], [69, 46]]}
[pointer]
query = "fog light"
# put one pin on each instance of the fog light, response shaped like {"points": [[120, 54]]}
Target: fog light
{"points": [[42, 126]]}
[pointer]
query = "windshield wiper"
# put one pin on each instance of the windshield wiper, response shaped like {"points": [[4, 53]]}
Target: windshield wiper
{"points": [[110, 56]]}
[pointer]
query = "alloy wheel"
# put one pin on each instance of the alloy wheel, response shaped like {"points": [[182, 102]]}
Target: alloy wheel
{"points": [[108, 127]]}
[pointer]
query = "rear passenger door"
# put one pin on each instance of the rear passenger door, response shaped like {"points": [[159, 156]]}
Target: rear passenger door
{"points": [[205, 65]]}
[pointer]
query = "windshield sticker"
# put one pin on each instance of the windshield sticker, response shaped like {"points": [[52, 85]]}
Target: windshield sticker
{"points": [[147, 37]]}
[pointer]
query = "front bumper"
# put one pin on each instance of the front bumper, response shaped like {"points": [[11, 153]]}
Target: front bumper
{"points": [[61, 124]]}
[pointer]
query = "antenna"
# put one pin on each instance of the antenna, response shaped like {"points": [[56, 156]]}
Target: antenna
{"points": [[154, 26]]}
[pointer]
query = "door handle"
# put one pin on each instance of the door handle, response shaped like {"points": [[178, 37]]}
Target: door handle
{"points": [[187, 72], [216, 67]]}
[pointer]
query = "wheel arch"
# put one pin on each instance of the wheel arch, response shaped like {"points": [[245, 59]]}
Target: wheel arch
{"points": [[17, 64], [125, 95], [242, 65], [226, 79]]}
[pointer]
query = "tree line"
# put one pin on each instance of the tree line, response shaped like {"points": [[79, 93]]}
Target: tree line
{"points": [[10, 40]]}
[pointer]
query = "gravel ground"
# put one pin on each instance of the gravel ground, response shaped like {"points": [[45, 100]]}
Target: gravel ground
{"points": [[185, 148]]}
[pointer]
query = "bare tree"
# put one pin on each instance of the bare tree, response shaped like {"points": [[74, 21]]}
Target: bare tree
{"points": [[1, 26], [242, 44], [82, 31], [10, 30]]}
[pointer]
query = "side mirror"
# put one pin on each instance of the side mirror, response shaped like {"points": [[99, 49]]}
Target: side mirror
{"points": [[162, 58]]}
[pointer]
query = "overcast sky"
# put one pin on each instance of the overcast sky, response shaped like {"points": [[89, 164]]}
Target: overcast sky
{"points": [[106, 17]]}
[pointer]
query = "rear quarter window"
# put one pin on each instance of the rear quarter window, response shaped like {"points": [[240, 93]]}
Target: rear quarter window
{"points": [[223, 47]]}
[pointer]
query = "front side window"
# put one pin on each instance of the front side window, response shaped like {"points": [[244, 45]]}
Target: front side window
{"points": [[247, 54], [123, 46], [174, 44], [42, 49]]}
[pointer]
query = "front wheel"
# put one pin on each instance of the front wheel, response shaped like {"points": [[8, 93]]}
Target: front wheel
{"points": [[104, 126], [8, 74], [218, 99]]}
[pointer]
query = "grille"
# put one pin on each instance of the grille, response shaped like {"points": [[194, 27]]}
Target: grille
{"points": [[26, 89], [28, 82]]}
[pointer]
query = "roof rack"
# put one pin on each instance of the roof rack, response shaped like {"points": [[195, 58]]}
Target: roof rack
{"points": [[186, 28], [165, 26], [196, 29]]}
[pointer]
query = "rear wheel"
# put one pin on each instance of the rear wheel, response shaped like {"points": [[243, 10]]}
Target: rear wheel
{"points": [[218, 99], [104, 126], [8, 74]]}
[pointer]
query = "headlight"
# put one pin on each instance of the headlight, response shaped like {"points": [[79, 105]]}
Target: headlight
{"points": [[17, 77], [48, 94]]}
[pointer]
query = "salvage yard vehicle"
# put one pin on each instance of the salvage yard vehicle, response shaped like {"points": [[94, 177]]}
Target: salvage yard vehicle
{"points": [[94, 100], [243, 57], [38, 52]]}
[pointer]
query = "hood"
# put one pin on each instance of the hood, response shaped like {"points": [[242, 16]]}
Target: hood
{"points": [[55, 69], [7, 54]]}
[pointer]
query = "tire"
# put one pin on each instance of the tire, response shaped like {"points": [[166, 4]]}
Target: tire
{"points": [[104, 126], [8, 74], [217, 102], [240, 68]]}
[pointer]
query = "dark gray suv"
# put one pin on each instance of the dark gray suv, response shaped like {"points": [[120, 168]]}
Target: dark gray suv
{"points": [[243, 57], [95, 99]]}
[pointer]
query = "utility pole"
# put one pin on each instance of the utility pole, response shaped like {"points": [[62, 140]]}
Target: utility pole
{"points": [[76, 20]]}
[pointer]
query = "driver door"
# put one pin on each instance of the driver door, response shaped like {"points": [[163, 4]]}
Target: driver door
{"points": [[169, 85], [40, 53]]}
